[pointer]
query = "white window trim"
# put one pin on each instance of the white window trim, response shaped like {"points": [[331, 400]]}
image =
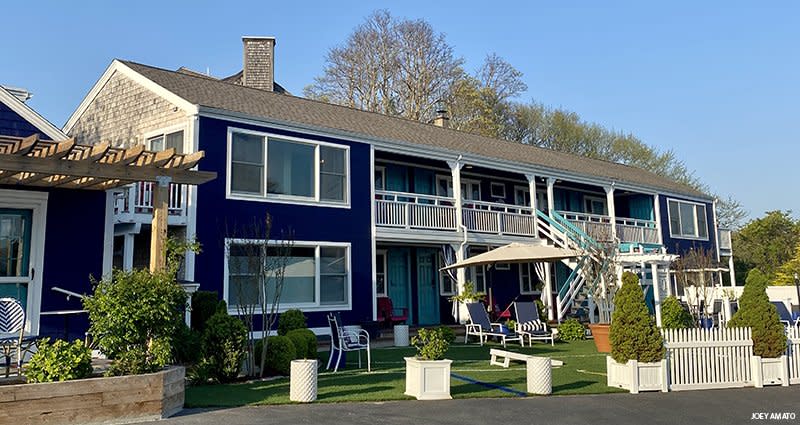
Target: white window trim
{"points": [[531, 273], [305, 307], [524, 190], [595, 199], [187, 147], [385, 268], [287, 199], [492, 187], [674, 235], [449, 180]]}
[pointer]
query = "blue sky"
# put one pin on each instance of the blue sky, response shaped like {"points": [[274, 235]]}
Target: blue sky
{"points": [[717, 82]]}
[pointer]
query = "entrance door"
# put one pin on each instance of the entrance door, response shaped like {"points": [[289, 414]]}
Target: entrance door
{"points": [[398, 279], [427, 287]]}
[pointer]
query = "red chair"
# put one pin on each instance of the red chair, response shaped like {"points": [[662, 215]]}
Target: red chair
{"points": [[390, 315]]}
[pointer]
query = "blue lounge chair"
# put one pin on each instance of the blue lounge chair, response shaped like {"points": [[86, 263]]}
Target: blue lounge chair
{"points": [[479, 325], [785, 315], [530, 325], [343, 340]]}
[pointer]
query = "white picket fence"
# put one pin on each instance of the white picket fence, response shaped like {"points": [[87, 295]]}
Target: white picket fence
{"points": [[793, 355], [708, 358]]}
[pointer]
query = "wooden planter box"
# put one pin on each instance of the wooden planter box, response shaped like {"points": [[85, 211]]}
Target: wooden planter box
{"points": [[634, 376], [770, 371], [428, 379], [114, 400]]}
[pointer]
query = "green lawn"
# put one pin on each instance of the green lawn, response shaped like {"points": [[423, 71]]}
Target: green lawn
{"points": [[583, 373]]}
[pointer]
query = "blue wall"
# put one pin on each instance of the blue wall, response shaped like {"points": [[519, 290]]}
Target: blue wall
{"points": [[678, 245], [11, 124], [218, 216]]}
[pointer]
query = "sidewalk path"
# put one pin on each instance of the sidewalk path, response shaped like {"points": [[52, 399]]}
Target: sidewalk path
{"points": [[688, 407]]}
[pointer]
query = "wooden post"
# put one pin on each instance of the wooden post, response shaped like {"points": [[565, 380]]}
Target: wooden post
{"points": [[158, 232]]}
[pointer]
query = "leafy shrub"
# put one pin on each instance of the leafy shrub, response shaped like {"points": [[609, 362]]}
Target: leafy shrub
{"points": [[541, 310], [187, 346], [291, 320], [204, 305], [468, 294], [449, 334], [571, 330], [431, 344], [305, 343], [757, 313], [674, 316], [137, 314], [280, 353], [59, 361], [633, 334], [224, 345]]}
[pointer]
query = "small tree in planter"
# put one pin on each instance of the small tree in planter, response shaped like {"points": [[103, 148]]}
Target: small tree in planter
{"points": [[674, 316], [428, 374], [637, 348], [769, 338]]}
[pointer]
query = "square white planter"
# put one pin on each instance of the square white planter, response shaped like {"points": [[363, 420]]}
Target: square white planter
{"points": [[428, 379], [634, 376], [770, 371]]}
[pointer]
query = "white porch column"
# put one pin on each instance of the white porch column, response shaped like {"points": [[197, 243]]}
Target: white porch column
{"points": [[551, 197], [656, 293], [455, 171], [532, 190], [461, 278], [127, 252], [612, 210], [730, 270], [547, 292], [657, 216]]}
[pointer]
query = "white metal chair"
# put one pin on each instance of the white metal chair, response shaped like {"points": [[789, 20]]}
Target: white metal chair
{"points": [[530, 325], [479, 325], [344, 340], [13, 340]]}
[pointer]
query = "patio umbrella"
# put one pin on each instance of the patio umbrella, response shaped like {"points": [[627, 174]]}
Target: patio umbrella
{"points": [[516, 253]]}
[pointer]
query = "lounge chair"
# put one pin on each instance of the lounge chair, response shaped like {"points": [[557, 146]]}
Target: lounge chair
{"points": [[13, 340], [479, 325], [343, 340], [530, 325], [784, 314]]}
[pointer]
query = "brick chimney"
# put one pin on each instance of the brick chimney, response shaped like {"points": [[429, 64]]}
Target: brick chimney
{"points": [[258, 69], [441, 119]]}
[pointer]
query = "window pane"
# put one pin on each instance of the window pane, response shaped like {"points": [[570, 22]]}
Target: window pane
{"points": [[687, 220], [175, 140], [246, 178], [674, 218], [291, 168], [331, 187], [332, 260], [379, 180], [248, 148], [702, 222], [331, 160], [156, 143], [243, 290], [299, 278], [333, 289]]}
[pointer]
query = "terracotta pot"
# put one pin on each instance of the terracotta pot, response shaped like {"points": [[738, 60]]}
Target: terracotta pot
{"points": [[600, 334]]}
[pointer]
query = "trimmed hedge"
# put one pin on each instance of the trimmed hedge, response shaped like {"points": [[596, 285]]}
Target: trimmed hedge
{"points": [[204, 305], [280, 353], [291, 320], [305, 343], [674, 316], [224, 342], [571, 330], [633, 334], [757, 313]]}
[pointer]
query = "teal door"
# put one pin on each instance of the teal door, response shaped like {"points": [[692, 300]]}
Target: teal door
{"points": [[427, 287], [15, 250], [398, 279]]}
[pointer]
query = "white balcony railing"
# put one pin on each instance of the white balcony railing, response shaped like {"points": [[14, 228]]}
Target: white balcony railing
{"points": [[490, 217], [596, 226], [629, 230], [414, 211], [725, 243], [138, 199]]}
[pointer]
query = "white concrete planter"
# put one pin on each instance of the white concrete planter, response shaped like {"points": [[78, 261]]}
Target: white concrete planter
{"points": [[303, 381], [770, 371], [634, 376], [428, 379], [400, 335]]}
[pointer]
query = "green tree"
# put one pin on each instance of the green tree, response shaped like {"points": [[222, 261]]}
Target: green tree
{"points": [[786, 273], [633, 333], [766, 243], [674, 316], [757, 313]]}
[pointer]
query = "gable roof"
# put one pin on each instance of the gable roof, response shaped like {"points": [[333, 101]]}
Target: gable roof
{"points": [[28, 114], [221, 95]]}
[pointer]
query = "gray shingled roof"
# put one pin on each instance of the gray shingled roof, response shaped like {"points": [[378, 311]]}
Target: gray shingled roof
{"points": [[260, 103]]}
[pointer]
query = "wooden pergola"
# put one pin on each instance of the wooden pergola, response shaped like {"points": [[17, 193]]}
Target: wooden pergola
{"points": [[33, 162]]}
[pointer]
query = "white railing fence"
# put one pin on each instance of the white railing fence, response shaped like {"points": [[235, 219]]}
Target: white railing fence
{"points": [[414, 211], [596, 226], [636, 230], [793, 354], [138, 199], [708, 358]]}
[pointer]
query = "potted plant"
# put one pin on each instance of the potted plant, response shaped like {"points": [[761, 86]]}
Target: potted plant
{"points": [[637, 348], [769, 362], [428, 373], [467, 295]]}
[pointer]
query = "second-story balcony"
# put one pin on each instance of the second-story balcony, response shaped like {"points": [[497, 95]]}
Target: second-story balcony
{"points": [[629, 230], [134, 204]]}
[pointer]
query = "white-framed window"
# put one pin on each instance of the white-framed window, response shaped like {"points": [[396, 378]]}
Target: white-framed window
{"points": [[165, 139], [470, 189], [522, 196], [476, 274], [497, 190], [316, 277], [594, 205], [380, 178], [687, 220], [527, 283], [263, 166], [381, 268]]}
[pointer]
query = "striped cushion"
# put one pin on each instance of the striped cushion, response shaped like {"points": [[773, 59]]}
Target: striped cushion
{"points": [[533, 326]]}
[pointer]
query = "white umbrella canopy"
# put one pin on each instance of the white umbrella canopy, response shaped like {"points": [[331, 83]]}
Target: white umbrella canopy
{"points": [[517, 253]]}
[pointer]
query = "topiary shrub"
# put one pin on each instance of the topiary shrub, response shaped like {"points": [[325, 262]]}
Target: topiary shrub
{"points": [[674, 316], [431, 344], [136, 314], [633, 333], [280, 353], [224, 345], [291, 320], [59, 361], [204, 305], [305, 343], [571, 330], [757, 313], [449, 334]]}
